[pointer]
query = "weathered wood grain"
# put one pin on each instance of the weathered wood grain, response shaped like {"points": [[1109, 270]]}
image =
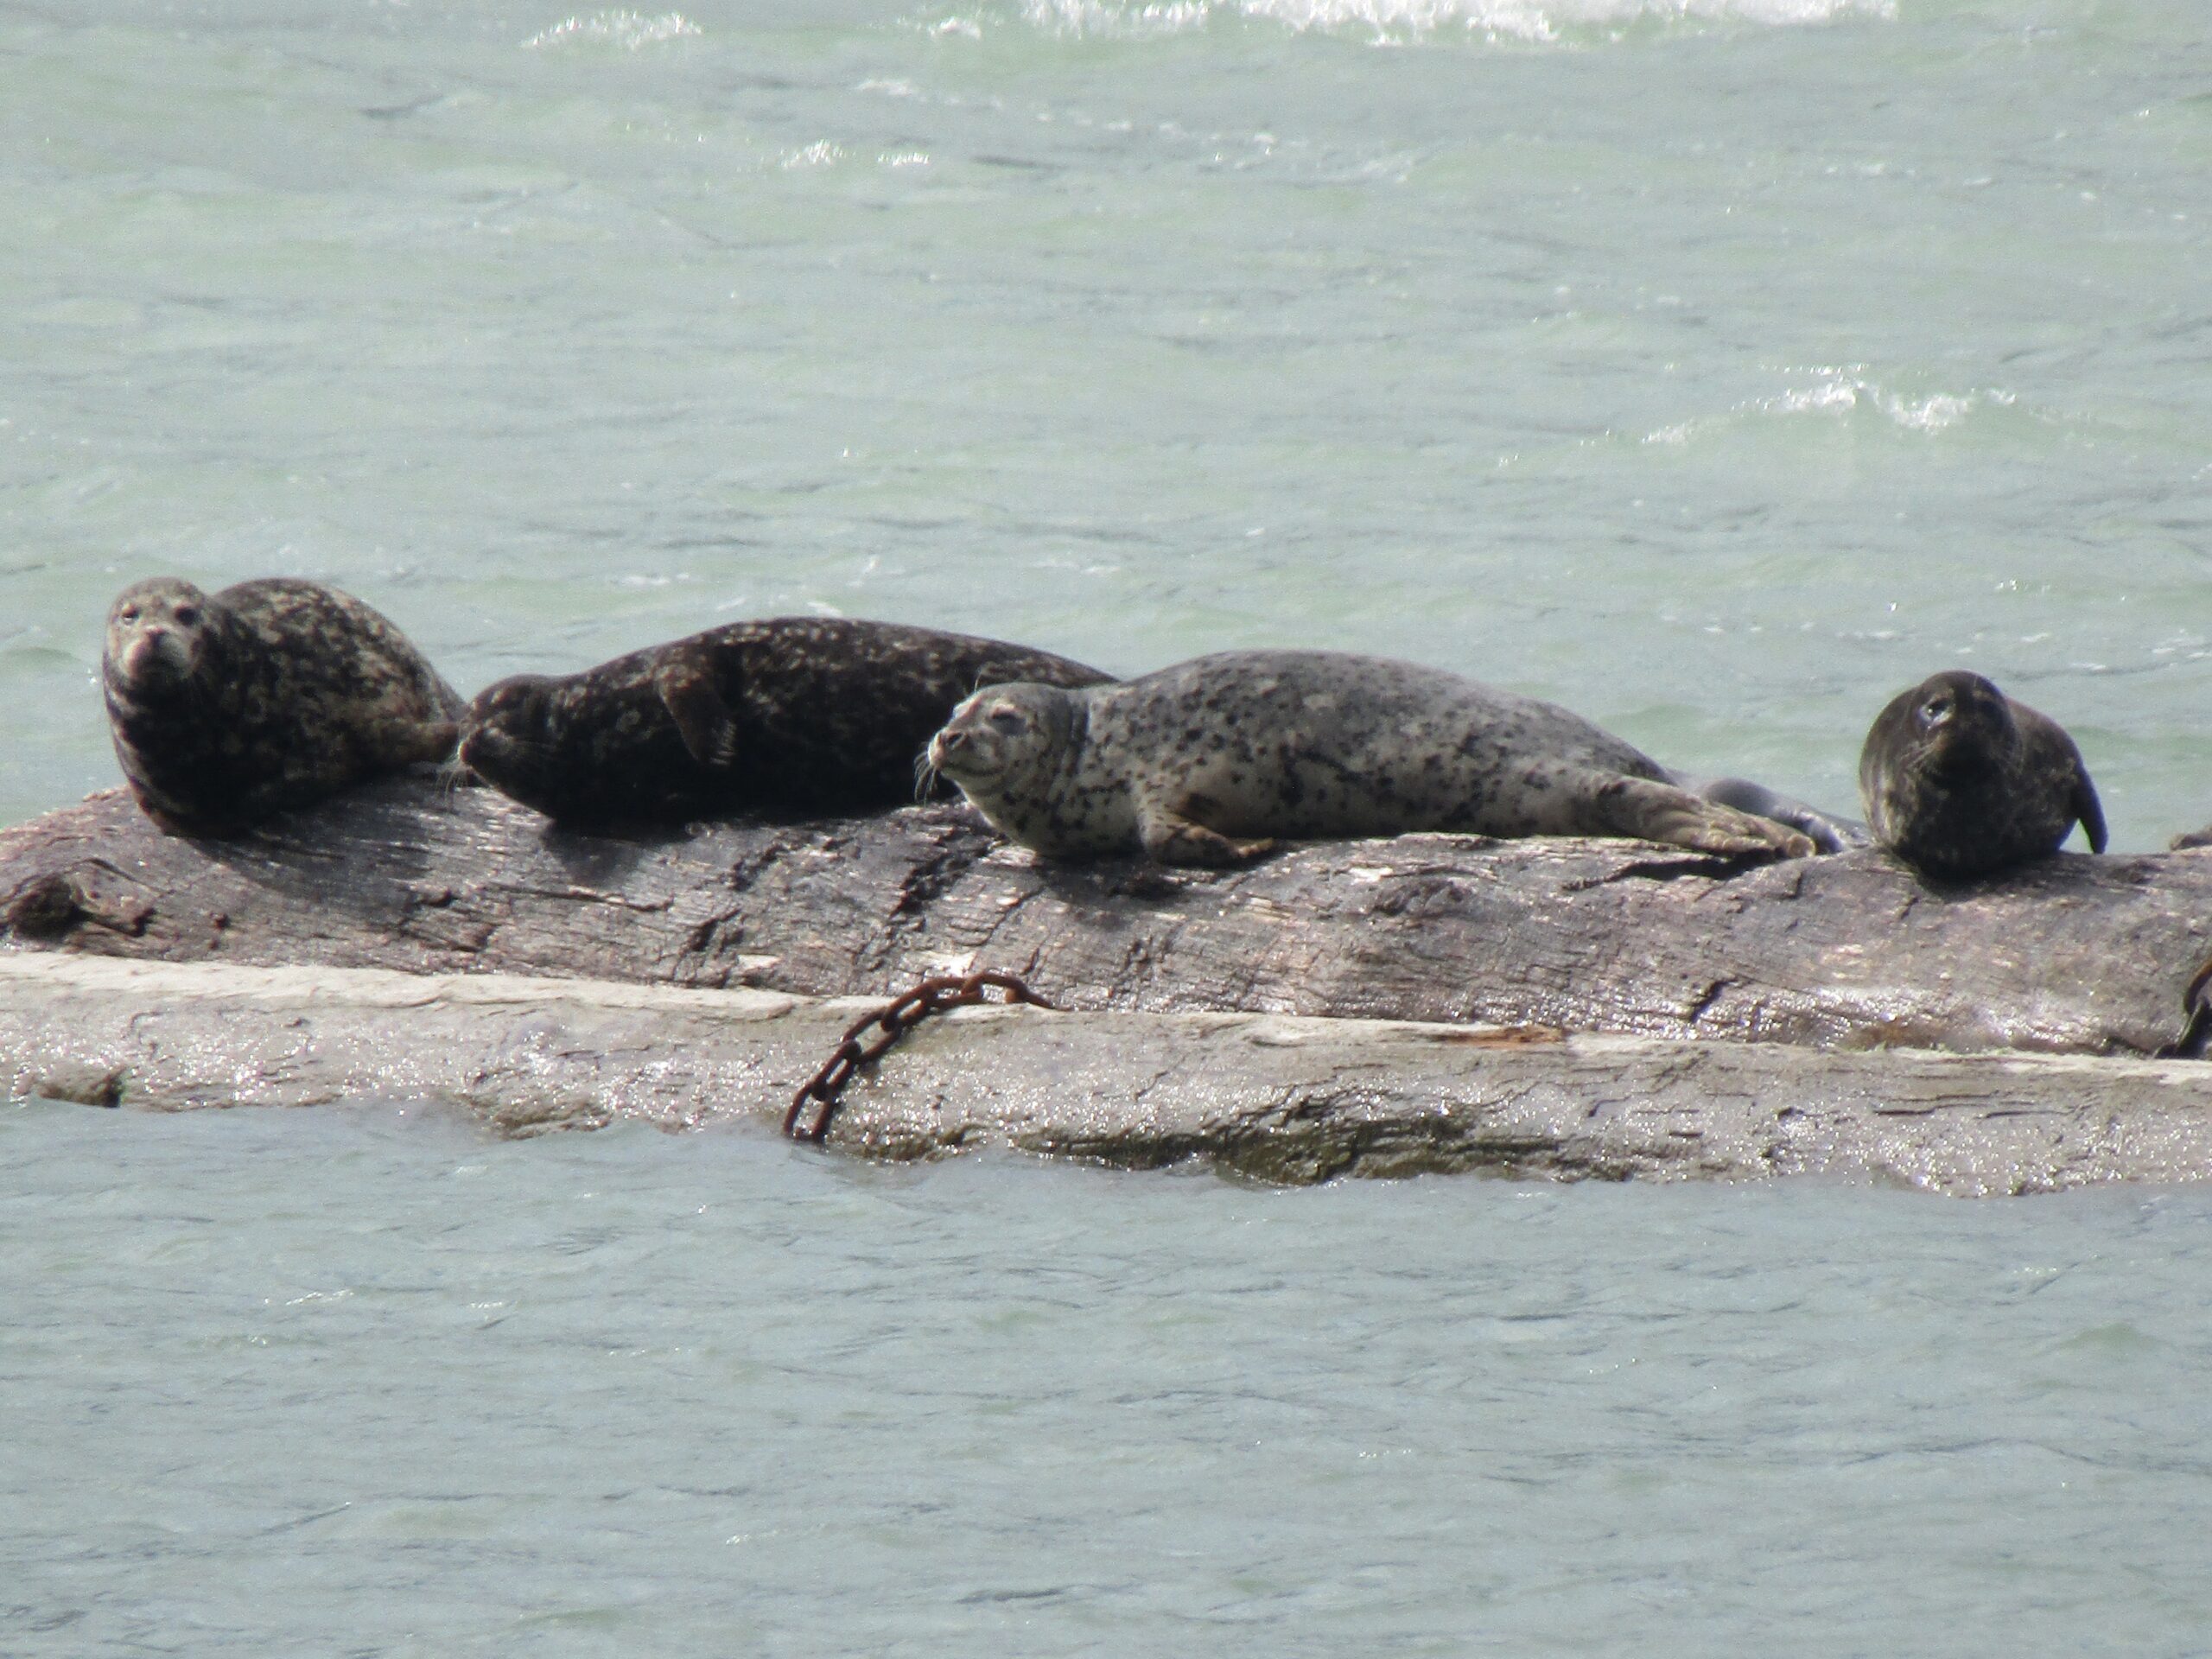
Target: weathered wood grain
{"points": [[1264, 1097], [2077, 954]]}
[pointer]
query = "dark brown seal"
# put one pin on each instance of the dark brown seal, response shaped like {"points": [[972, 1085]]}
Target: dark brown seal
{"points": [[1208, 761], [788, 715], [229, 707], [1958, 780]]}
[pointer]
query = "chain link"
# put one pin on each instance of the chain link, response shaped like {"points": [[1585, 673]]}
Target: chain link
{"points": [[895, 1019]]}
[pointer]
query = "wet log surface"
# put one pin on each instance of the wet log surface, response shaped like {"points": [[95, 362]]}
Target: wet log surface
{"points": [[1263, 1097], [2078, 954]]}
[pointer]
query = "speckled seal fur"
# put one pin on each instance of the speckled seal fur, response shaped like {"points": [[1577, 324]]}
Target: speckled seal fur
{"points": [[1209, 761], [788, 715], [230, 707], [1958, 780]]}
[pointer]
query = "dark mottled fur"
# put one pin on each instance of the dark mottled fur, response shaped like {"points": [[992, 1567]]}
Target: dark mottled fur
{"points": [[230, 707], [1204, 762], [791, 715], [1958, 780]]}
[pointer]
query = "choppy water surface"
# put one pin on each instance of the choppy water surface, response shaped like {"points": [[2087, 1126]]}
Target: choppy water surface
{"points": [[1716, 366], [343, 1382]]}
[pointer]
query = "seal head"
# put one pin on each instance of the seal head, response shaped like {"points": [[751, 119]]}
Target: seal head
{"points": [[1958, 780], [157, 632], [1003, 746]]}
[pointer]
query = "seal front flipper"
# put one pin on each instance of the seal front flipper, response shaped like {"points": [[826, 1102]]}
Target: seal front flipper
{"points": [[1656, 811], [686, 684], [1172, 838]]}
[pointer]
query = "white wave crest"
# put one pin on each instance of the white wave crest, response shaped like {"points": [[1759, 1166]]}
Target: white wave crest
{"points": [[1841, 393], [628, 30], [1397, 20]]}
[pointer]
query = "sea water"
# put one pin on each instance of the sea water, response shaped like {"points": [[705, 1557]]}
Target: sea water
{"points": [[1717, 367]]}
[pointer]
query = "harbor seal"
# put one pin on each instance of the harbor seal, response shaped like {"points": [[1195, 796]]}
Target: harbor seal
{"points": [[796, 715], [227, 707], [1210, 761], [1958, 780]]}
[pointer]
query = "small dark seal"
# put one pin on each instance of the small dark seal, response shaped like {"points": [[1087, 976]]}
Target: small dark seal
{"points": [[1958, 780], [231, 707], [1206, 762], [788, 716]]}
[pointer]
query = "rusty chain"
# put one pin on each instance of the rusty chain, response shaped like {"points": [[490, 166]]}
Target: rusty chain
{"points": [[895, 1019]]}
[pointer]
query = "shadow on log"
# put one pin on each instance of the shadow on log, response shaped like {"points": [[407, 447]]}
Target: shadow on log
{"points": [[2077, 954]]}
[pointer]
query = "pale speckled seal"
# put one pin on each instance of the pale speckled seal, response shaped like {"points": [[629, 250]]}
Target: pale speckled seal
{"points": [[227, 707], [1958, 780], [1209, 761], [788, 715]]}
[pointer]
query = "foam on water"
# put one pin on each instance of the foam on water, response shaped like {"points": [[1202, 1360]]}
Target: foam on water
{"points": [[630, 30], [1403, 20], [1839, 394]]}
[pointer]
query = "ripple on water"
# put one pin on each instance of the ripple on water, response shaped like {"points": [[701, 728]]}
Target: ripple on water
{"points": [[841, 1407]]}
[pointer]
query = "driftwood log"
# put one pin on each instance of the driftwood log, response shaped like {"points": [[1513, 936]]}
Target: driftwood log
{"points": [[2078, 954], [1805, 966], [1266, 1096]]}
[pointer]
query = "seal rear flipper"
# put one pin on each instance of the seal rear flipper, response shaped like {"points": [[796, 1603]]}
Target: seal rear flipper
{"points": [[1648, 811], [2088, 809], [1829, 832], [1171, 838], [702, 719]]}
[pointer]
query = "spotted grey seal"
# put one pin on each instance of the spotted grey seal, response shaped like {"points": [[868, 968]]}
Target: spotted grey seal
{"points": [[789, 714], [1208, 761], [229, 707], [1958, 780]]}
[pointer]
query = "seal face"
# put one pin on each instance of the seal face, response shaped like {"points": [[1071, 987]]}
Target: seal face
{"points": [[1958, 780], [794, 715], [1207, 762], [230, 707]]}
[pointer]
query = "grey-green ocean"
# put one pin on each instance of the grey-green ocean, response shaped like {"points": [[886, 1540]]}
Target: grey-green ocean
{"points": [[1716, 367]]}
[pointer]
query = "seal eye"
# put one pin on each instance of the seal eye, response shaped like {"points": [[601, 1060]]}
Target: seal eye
{"points": [[1934, 711], [1009, 721], [128, 614], [188, 614]]}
